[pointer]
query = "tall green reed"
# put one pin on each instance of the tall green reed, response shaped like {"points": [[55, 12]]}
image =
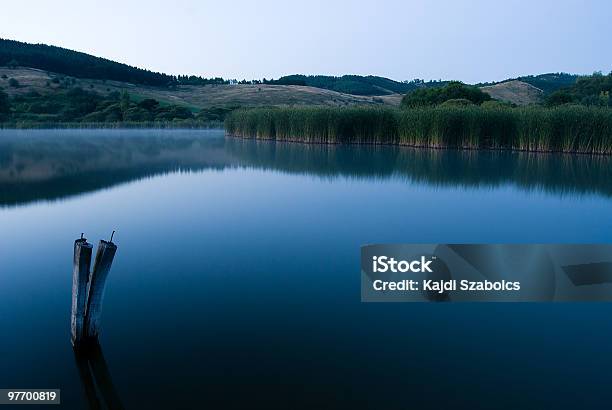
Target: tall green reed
{"points": [[560, 129]]}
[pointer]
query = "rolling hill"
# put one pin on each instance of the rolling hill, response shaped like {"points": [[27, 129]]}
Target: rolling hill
{"points": [[75, 64], [514, 91], [35, 71], [59, 61], [192, 96], [48, 69]]}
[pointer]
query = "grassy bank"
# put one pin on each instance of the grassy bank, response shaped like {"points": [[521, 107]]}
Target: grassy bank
{"points": [[185, 124], [561, 129]]}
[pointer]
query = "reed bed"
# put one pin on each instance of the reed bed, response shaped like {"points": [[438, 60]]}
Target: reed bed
{"points": [[562, 129]]}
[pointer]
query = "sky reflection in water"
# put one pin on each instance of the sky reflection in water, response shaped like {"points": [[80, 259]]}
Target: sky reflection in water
{"points": [[237, 274]]}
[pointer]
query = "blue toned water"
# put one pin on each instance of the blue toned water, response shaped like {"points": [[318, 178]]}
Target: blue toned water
{"points": [[237, 282]]}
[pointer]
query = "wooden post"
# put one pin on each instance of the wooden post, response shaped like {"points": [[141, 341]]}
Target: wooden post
{"points": [[80, 277], [97, 280]]}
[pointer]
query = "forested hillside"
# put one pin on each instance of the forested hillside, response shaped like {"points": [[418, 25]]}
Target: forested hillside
{"points": [[587, 90], [76, 64], [355, 84], [550, 82], [47, 84], [31, 97]]}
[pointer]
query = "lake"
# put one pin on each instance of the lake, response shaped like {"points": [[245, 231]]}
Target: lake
{"points": [[237, 278]]}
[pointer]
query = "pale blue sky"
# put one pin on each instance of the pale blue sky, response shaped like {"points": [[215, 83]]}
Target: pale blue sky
{"points": [[465, 40]]}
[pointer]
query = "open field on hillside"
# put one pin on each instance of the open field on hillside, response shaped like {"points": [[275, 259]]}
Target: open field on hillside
{"points": [[193, 96], [514, 91]]}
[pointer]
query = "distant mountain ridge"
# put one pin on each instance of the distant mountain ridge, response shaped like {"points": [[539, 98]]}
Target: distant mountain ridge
{"points": [[82, 65], [62, 61]]}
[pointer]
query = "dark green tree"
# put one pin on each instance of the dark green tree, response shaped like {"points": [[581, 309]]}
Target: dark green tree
{"points": [[5, 105], [149, 104], [124, 102], [588, 90], [452, 91]]}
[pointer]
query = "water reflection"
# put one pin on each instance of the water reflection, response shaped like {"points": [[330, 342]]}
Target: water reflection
{"points": [[95, 378], [553, 173], [47, 165]]}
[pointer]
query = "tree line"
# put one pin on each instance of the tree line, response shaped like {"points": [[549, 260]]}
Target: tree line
{"points": [[591, 90], [76, 105], [594, 90], [356, 84], [453, 93], [81, 65]]}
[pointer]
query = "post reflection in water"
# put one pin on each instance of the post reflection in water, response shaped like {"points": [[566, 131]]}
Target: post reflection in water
{"points": [[51, 165], [95, 377]]}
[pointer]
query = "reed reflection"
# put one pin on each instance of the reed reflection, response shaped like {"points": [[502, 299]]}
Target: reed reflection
{"points": [[560, 174]]}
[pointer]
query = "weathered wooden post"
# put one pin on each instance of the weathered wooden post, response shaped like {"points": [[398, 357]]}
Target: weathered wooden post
{"points": [[95, 291], [80, 277], [88, 288]]}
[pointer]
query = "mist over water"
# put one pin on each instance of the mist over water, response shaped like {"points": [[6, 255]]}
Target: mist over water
{"points": [[237, 272], [47, 165]]}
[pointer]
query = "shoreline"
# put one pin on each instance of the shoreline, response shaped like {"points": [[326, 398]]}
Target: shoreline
{"points": [[429, 147], [117, 125]]}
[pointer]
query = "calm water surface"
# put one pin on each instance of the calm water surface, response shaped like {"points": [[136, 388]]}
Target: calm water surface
{"points": [[236, 282]]}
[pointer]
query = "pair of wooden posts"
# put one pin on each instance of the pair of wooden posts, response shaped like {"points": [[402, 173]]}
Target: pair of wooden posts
{"points": [[88, 288]]}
